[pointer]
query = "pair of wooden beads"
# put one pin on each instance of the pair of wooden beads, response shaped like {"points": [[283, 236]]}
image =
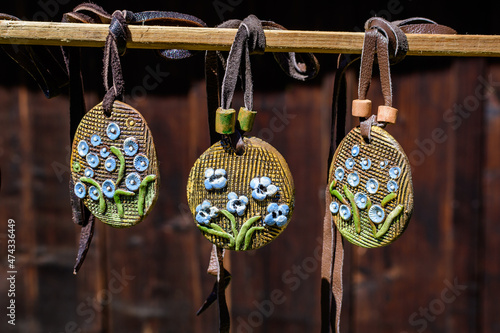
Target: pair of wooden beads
{"points": [[363, 108], [225, 120]]}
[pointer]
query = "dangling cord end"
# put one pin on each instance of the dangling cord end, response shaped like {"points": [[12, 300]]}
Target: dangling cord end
{"points": [[116, 46], [216, 268]]}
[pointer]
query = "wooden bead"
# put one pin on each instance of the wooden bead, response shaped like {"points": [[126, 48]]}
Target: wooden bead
{"points": [[362, 108], [225, 121], [246, 119], [387, 114]]}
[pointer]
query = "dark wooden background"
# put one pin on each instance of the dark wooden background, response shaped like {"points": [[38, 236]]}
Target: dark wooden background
{"points": [[442, 275]]}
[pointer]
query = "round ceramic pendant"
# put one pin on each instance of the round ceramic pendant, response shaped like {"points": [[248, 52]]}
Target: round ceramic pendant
{"points": [[241, 202], [371, 188], [114, 166]]}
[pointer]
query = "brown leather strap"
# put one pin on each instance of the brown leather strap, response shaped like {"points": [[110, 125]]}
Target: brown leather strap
{"points": [[388, 41], [249, 39], [333, 250], [116, 42]]}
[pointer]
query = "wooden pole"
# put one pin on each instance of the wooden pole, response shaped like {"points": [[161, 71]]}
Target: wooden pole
{"points": [[160, 37]]}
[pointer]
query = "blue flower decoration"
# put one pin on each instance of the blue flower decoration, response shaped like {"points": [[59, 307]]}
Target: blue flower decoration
{"points": [[113, 131], [262, 188], [334, 207], [141, 162], [376, 214], [83, 148], [339, 174], [349, 163], [133, 181], [80, 190], [395, 172], [89, 173], [110, 164], [130, 146], [277, 214], [355, 150], [392, 186], [108, 188], [215, 179], [235, 204], [105, 152], [94, 193], [205, 212], [95, 140], [92, 160]]}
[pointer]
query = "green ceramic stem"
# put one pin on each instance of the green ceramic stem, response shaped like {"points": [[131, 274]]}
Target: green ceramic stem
{"points": [[233, 222], [368, 204], [118, 202], [121, 170], [374, 227], [142, 192], [216, 227], [102, 201], [332, 186], [339, 196], [355, 211], [218, 233], [388, 221], [243, 230], [388, 198], [248, 236]]}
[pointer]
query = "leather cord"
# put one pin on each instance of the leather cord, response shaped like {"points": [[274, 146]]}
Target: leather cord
{"points": [[249, 39], [116, 42], [388, 40], [300, 66], [116, 46]]}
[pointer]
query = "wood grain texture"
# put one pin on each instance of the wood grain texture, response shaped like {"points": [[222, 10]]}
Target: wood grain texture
{"points": [[165, 258], [489, 255], [155, 37]]}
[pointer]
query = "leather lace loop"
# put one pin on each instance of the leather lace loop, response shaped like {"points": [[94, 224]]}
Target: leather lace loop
{"points": [[249, 39], [116, 45], [332, 255]]}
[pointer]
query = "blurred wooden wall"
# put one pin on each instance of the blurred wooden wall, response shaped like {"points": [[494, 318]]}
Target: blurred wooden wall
{"points": [[442, 275]]}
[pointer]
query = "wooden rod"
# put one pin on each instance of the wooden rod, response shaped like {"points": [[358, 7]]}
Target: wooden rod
{"points": [[160, 37]]}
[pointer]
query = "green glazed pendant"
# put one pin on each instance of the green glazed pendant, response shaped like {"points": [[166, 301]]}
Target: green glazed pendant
{"points": [[371, 189], [241, 202], [114, 165]]}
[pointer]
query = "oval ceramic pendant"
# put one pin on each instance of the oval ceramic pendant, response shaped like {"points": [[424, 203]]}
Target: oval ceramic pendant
{"points": [[114, 165], [241, 202], [371, 188]]}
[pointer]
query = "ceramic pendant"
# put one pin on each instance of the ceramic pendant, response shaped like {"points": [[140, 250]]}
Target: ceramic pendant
{"points": [[371, 188], [241, 202], [114, 166]]}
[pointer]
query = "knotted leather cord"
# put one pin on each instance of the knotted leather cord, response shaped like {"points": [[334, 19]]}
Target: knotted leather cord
{"points": [[300, 66], [116, 46], [249, 39], [116, 43], [391, 50]]}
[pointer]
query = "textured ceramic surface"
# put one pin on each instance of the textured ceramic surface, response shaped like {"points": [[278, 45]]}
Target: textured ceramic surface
{"points": [[372, 204], [241, 202], [114, 165]]}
